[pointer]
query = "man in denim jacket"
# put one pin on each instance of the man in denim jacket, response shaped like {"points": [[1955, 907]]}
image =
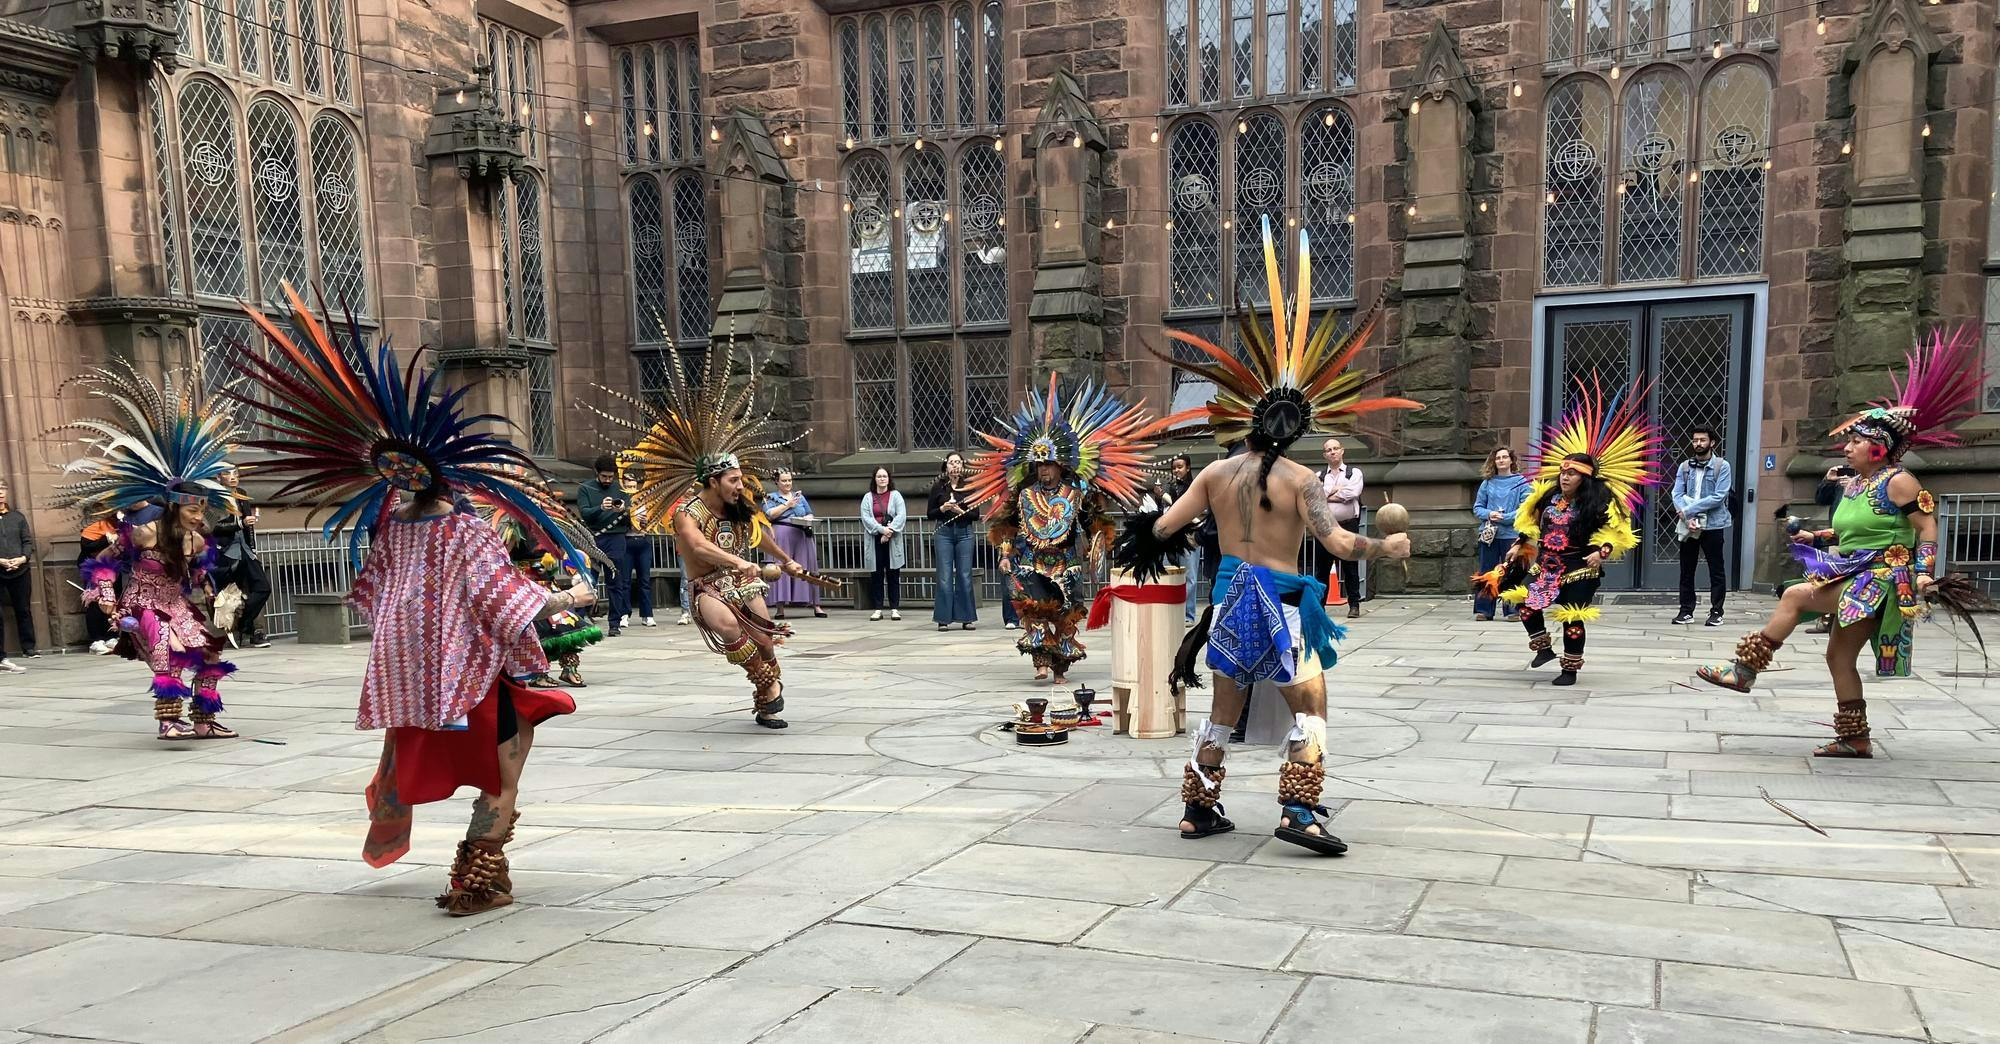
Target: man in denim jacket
{"points": [[1701, 495]]}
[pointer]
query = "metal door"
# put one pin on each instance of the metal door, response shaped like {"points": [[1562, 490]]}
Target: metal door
{"points": [[1693, 352]]}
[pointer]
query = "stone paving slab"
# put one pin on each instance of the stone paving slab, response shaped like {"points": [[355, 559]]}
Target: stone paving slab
{"points": [[1597, 864]]}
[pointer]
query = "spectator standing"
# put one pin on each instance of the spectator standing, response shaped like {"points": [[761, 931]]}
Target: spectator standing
{"points": [[1343, 493], [235, 539], [791, 516], [17, 551], [884, 516], [1702, 485], [602, 502], [1501, 492], [1180, 476], [952, 546], [638, 555]]}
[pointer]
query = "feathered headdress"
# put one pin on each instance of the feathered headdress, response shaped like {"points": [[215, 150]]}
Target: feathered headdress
{"points": [[703, 429], [352, 431], [171, 447], [1296, 380], [1616, 434], [1095, 437], [1940, 391]]}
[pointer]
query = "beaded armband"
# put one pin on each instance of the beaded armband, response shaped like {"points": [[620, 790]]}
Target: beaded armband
{"points": [[1823, 538], [1927, 557]]}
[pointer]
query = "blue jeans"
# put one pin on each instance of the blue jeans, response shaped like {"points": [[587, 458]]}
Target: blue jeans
{"points": [[1490, 556], [618, 576], [639, 575], [952, 546], [1193, 564]]}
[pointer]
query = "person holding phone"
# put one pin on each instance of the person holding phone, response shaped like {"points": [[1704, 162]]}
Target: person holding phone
{"points": [[605, 508], [952, 544]]}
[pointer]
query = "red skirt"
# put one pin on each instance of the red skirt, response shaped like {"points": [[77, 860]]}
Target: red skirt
{"points": [[419, 766]]}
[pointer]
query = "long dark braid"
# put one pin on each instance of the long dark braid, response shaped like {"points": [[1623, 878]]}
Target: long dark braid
{"points": [[1271, 455]]}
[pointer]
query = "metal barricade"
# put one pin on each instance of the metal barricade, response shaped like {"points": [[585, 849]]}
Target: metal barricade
{"points": [[300, 561], [1969, 537]]}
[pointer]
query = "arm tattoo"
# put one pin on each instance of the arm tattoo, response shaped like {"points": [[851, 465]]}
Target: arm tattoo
{"points": [[1246, 495], [1365, 549], [1319, 514]]}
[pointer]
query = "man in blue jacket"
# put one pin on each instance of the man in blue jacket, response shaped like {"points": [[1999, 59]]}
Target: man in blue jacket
{"points": [[1701, 494]]}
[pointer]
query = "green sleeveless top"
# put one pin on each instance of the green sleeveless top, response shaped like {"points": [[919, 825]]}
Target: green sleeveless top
{"points": [[1865, 520]]}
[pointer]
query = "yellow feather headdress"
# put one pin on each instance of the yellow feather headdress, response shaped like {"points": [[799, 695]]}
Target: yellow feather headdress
{"points": [[1617, 434], [1297, 379]]}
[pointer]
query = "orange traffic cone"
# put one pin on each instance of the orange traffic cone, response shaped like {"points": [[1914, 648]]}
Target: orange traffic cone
{"points": [[1333, 595]]}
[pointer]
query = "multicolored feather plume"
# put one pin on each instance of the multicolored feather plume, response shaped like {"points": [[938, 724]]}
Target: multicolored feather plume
{"points": [[1940, 391], [170, 445], [1616, 433], [1093, 435]]}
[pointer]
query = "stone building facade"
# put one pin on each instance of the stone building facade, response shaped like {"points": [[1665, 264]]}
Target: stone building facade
{"points": [[904, 212]]}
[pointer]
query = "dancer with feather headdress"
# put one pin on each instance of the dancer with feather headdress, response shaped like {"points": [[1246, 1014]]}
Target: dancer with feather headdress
{"points": [[1052, 479], [157, 472], [1875, 570], [390, 453], [1588, 477], [698, 456], [1269, 623]]}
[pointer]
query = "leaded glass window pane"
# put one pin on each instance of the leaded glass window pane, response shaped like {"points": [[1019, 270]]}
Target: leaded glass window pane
{"points": [[649, 265], [1243, 52], [534, 279], [503, 220], [934, 89], [170, 242], [982, 199], [1177, 52], [281, 40], [1562, 30], [1194, 253], [926, 240], [1638, 27], [510, 84], [986, 366], [691, 258], [1680, 24], [247, 48], [655, 377], [1736, 129], [1346, 43], [1326, 176], [996, 65], [933, 414], [691, 77], [871, 255], [542, 404], [1189, 390], [906, 74], [184, 43], [274, 201], [337, 205], [878, 78], [1762, 26], [628, 106], [1277, 48], [214, 199], [1652, 170], [1599, 43], [1717, 21], [965, 58], [1260, 193], [215, 32], [309, 56], [678, 125], [219, 335], [1209, 29], [1578, 132], [850, 78], [336, 42], [649, 85], [528, 112], [875, 405], [1312, 33]]}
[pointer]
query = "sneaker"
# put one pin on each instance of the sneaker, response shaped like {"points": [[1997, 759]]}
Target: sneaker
{"points": [[1686, 617], [894, 614], [31, 654], [876, 615], [686, 619], [259, 640], [622, 622], [1714, 620], [649, 622], [11, 667], [1012, 627]]}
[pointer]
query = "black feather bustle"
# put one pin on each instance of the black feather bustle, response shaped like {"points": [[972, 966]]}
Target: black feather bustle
{"points": [[1146, 555], [1962, 597], [1184, 676]]}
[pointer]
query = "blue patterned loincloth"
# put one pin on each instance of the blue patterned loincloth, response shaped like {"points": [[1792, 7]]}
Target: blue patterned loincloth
{"points": [[1257, 636]]}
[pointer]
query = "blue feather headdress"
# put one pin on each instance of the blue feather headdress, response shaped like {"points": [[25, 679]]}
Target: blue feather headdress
{"points": [[170, 448], [352, 431]]}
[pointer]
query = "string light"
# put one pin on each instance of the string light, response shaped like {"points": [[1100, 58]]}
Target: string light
{"points": [[588, 121], [846, 206], [1821, 27], [1058, 222], [850, 143], [1716, 51], [1003, 221], [1328, 118], [1482, 206], [1614, 72], [1767, 164], [1846, 148], [1110, 223], [524, 110], [1621, 186], [898, 213], [715, 133], [1225, 224], [647, 128], [788, 139], [1350, 217], [1751, 6], [947, 217], [1075, 140], [1927, 130], [1410, 211], [1169, 225], [999, 144], [1416, 106], [1694, 176], [1292, 222], [1155, 136], [1242, 127], [1552, 198], [461, 96], [1517, 88], [920, 143]]}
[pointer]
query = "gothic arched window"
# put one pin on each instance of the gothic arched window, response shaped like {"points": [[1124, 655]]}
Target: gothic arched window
{"points": [[214, 196], [650, 249], [336, 208], [1326, 204], [982, 229], [274, 197], [1260, 178], [1194, 268], [1735, 155], [691, 258], [926, 246], [1578, 135], [1652, 176]]}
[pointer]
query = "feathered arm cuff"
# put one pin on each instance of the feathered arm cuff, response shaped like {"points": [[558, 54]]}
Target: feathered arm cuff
{"points": [[1528, 521], [1145, 554], [101, 576], [1616, 533], [205, 562]]}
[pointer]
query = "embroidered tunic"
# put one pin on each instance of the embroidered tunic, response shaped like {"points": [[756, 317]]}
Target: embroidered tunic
{"points": [[1873, 559], [1556, 561], [450, 614]]}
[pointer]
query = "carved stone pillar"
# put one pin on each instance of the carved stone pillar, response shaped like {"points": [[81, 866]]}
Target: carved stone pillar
{"points": [[1435, 477], [1066, 316], [1888, 70], [763, 260]]}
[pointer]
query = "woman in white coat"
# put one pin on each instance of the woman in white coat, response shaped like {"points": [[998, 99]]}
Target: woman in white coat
{"points": [[885, 518]]}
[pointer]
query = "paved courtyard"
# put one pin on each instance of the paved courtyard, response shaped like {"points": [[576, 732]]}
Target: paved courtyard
{"points": [[1603, 864]]}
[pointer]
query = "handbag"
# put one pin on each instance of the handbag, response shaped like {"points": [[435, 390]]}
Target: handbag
{"points": [[1488, 533], [228, 606]]}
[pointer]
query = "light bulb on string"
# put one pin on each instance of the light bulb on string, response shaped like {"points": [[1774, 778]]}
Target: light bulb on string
{"points": [[1416, 106], [1551, 198], [1927, 129], [1169, 226], [647, 128], [1716, 51], [1155, 136], [1110, 223], [898, 213], [1821, 27], [588, 121], [1614, 72], [1242, 127], [850, 143], [1328, 118], [714, 132], [1225, 224], [788, 139], [847, 206], [1767, 164], [1517, 88], [1350, 217], [1410, 211], [919, 146], [999, 144], [461, 96], [1075, 140], [1621, 186], [1694, 176], [1058, 222], [1291, 222], [1751, 6], [1482, 206], [1846, 148], [1002, 222], [947, 217]]}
